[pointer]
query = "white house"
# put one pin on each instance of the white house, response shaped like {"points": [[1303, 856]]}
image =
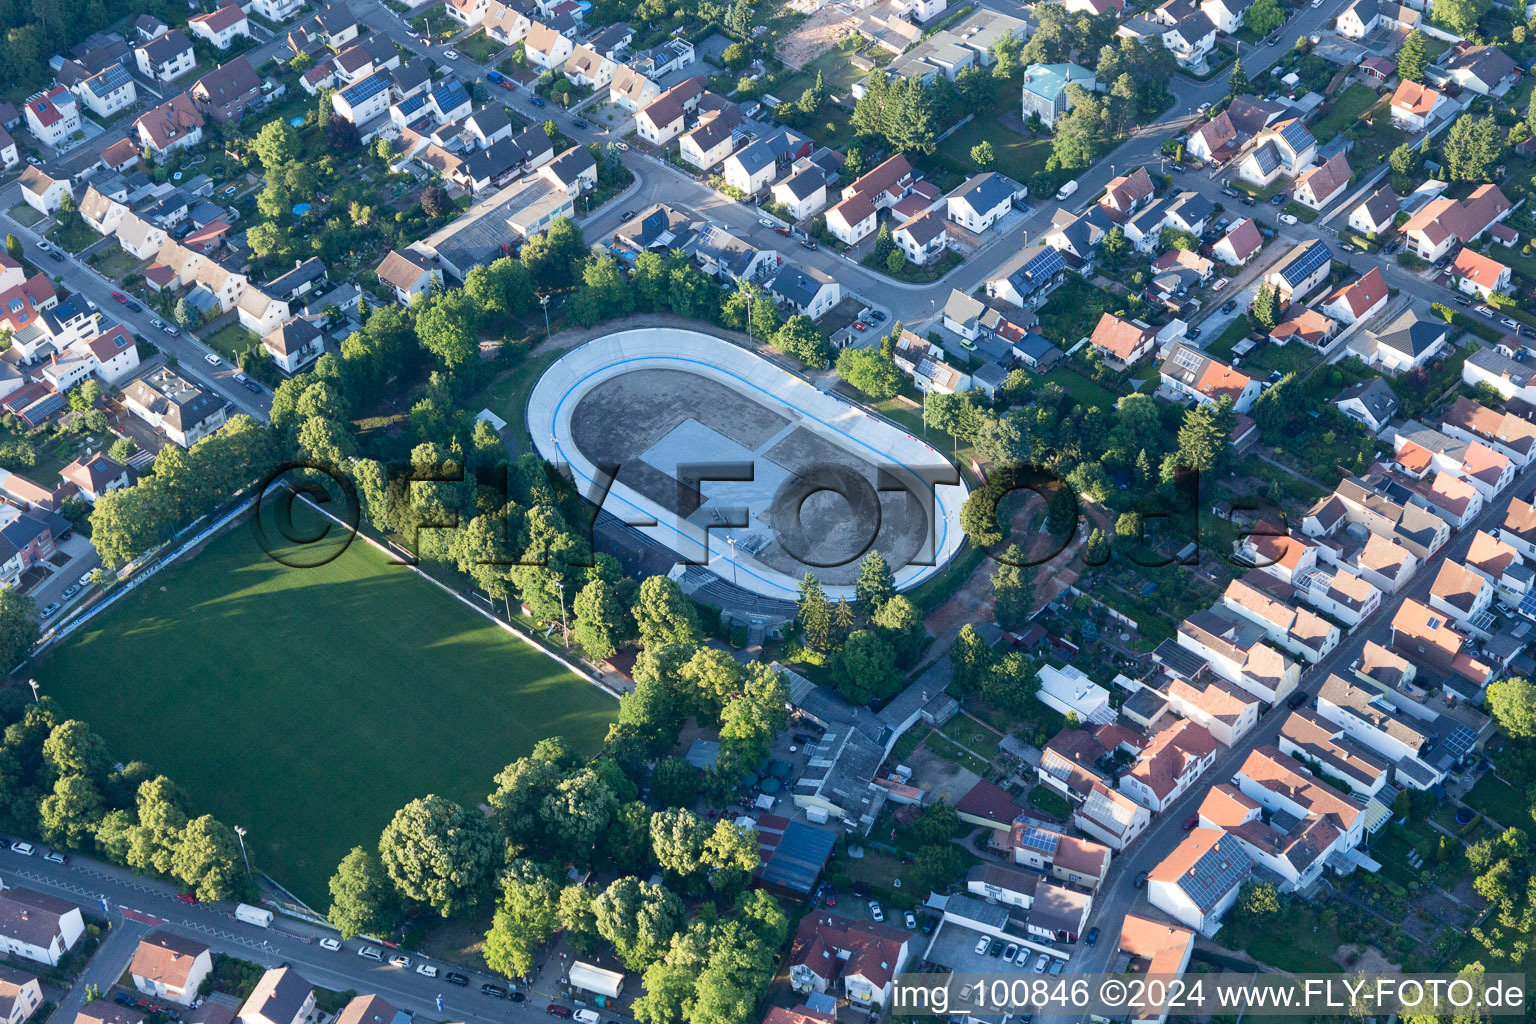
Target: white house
{"points": [[1462, 595], [1199, 881], [1067, 690], [20, 995], [1375, 214], [38, 927], [1241, 242], [922, 238], [547, 48], [981, 201], [1310, 739], [294, 344], [221, 26], [1321, 185], [170, 967], [1408, 341], [803, 192], [1223, 709], [862, 956], [1191, 375], [1284, 149], [409, 273], [806, 289], [95, 475], [1413, 105], [1281, 785], [1359, 20], [1476, 274], [1111, 817], [281, 996], [108, 91], [52, 116], [1170, 763], [165, 57], [1358, 300], [43, 192]]}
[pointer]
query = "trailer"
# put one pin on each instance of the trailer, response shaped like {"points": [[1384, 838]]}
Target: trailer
{"points": [[596, 980], [253, 915]]}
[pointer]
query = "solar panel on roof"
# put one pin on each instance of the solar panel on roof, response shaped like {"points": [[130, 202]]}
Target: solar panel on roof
{"points": [[113, 78], [1214, 874], [1188, 359], [1528, 606], [1460, 741], [1306, 262], [1296, 135], [1045, 263], [1039, 839], [371, 86]]}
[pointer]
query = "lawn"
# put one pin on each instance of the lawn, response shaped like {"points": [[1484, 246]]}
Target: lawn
{"points": [[1236, 331], [1347, 108], [1073, 310], [1498, 800], [1019, 157], [115, 264], [1088, 393], [1295, 940], [970, 733], [231, 340], [946, 748], [837, 73], [507, 396], [309, 704], [479, 48], [73, 236], [25, 215]]}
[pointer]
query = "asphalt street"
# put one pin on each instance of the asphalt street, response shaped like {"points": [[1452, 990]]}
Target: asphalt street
{"points": [[135, 906]]}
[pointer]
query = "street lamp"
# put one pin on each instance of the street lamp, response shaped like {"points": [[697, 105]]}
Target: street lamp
{"points": [[741, 286], [240, 833], [565, 628], [732, 542], [544, 304], [33, 683]]}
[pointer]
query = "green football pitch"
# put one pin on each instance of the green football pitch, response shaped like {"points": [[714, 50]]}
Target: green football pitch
{"points": [[309, 704]]}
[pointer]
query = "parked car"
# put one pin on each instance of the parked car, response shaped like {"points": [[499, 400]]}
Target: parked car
{"points": [[453, 978], [54, 857], [860, 326], [71, 590], [1192, 333], [579, 123], [48, 611], [1055, 966], [537, 101], [451, 54], [875, 911], [211, 359], [24, 849], [1348, 247], [251, 386], [399, 960], [426, 970], [1041, 962], [556, 1010], [808, 244], [981, 946], [1513, 325], [168, 329], [1297, 699], [371, 953], [1011, 951], [494, 991], [517, 997], [1462, 300], [43, 245], [123, 999], [1203, 108], [86, 577], [186, 897], [1278, 199], [1141, 880], [1191, 821], [1248, 200], [154, 322], [782, 230], [56, 256], [334, 945], [626, 215], [119, 297], [911, 920], [1287, 218], [506, 83], [1093, 935], [1229, 305], [1483, 311], [877, 316], [133, 306]]}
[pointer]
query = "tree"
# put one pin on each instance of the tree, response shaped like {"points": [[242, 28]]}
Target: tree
{"points": [[1206, 436], [983, 155], [1078, 133], [978, 517], [1412, 56], [674, 783], [1061, 511], [800, 338], [1258, 900], [576, 813], [434, 201], [1264, 17], [439, 854], [1237, 81], [1266, 307], [1472, 147], [603, 295], [1513, 705], [866, 668], [73, 748], [1461, 16], [276, 146], [13, 247], [526, 916], [208, 859], [341, 136], [68, 816], [1404, 160], [813, 615], [1012, 589], [362, 898], [600, 619], [664, 614], [875, 585], [677, 839], [895, 262], [869, 371], [18, 625], [638, 918], [731, 855], [187, 315]]}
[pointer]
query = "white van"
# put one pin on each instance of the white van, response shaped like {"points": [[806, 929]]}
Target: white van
{"points": [[1067, 189], [587, 1017]]}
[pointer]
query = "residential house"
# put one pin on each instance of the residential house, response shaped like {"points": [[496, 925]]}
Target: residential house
{"points": [[1235, 648], [1064, 858], [1260, 598], [138, 237], [925, 363], [38, 927], [1305, 325], [100, 1011], [1299, 271], [981, 201], [547, 48], [277, 11], [43, 192], [1241, 242], [410, 273], [922, 238], [1169, 765], [108, 91], [663, 119], [1043, 267], [1409, 340], [572, 172], [174, 124], [713, 136], [170, 967], [221, 26], [1221, 708], [804, 192], [1413, 105], [469, 13], [1111, 817], [182, 411], [1442, 223], [1360, 299], [1423, 634], [1510, 435], [166, 57], [294, 344], [853, 218], [630, 90], [987, 805], [1285, 149], [95, 475], [1359, 19], [1419, 448], [505, 24], [1126, 342], [1192, 375], [1463, 595], [862, 956], [281, 996], [53, 117], [20, 995], [1371, 401], [1519, 528], [113, 355], [1321, 185], [1068, 691], [1188, 211], [1287, 820], [1199, 881], [1184, 29], [1500, 564], [1329, 753], [1045, 90], [1375, 214], [1077, 235], [1156, 950], [1123, 195], [1483, 69], [585, 67], [9, 157], [226, 93], [1476, 274], [1226, 15], [1370, 717], [1215, 142], [759, 164], [805, 290]]}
